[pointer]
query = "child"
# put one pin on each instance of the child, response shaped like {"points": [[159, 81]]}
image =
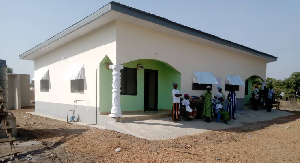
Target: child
{"points": [[190, 113], [220, 110]]}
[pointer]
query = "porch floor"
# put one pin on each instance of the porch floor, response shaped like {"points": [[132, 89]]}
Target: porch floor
{"points": [[165, 128]]}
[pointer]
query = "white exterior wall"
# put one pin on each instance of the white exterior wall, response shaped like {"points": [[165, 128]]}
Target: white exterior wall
{"points": [[88, 50], [135, 42]]}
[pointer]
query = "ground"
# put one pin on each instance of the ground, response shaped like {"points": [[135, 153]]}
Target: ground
{"points": [[42, 139]]}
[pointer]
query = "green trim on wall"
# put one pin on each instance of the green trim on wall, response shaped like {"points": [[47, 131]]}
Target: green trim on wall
{"points": [[247, 97], [105, 86], [166, 76], [250, 86]]}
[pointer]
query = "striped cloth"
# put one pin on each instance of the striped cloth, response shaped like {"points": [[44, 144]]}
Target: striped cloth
{"points": [[231, 104]]}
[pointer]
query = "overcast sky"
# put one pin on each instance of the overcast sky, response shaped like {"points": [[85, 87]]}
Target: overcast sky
{"points": [[270, 26]]}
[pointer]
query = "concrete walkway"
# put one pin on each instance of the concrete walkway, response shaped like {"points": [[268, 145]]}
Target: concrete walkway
{"points": [[165, 128]]}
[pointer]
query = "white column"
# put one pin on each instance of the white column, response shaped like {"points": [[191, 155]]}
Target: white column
{"points": [[116, 84]]}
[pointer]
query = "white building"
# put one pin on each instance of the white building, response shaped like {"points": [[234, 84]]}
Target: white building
{"points": [[75, 64]]}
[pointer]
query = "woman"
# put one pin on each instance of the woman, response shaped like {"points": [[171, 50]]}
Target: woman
{"points": [[231, 103], [207, 105], [255, 98]]}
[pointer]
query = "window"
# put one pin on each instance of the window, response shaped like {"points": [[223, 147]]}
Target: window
{"points": [[129, 81], [197, 86], [77, 85], [234, 87], [44, 85]]}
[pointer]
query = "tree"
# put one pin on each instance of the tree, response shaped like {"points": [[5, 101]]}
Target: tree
{"points": [[290, 85], [32, 83], [278, 86], [9, 70], [293, 82]]}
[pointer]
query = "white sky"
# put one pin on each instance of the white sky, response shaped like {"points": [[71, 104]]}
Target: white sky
{"points": [[270, 26]]}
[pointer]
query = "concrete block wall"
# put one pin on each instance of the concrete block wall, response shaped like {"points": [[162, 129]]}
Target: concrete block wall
{"points": [[18, 91]]}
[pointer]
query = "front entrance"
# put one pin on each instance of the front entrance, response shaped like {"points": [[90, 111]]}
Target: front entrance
{"points": [[151, 90]]}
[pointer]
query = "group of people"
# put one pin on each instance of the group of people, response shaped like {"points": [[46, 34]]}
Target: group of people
{"points": [[189, 111], [265, 98], [212, 105]]}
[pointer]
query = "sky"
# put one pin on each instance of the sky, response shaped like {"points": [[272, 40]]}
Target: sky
{"points": [[270, 26]]}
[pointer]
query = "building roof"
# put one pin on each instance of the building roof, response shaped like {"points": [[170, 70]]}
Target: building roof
{"points": [[116, 11]]}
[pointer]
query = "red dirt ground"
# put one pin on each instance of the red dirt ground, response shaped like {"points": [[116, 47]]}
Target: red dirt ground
{"points": [[42, 139]]}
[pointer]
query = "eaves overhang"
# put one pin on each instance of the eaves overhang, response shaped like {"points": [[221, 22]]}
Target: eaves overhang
{"points": [[116, 11]]}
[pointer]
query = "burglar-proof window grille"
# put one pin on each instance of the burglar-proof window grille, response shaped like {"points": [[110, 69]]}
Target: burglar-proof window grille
{"points": [[234, 87], [128, 81], [44, 85], [197, 86], [77, 85]]}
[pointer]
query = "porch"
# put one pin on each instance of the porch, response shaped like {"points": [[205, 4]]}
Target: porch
{"points": [[140, 115]]}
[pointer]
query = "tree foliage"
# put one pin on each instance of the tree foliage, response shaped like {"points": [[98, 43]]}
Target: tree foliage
{"points": [[290, 86], [9, 70]]}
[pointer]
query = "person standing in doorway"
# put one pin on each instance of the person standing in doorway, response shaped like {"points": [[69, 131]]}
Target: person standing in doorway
{"points": [[231, 103], [207, 105], [255, 98], [176, 101]]}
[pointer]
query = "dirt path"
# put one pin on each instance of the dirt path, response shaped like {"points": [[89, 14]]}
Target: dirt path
{"points": [[46, 140]]}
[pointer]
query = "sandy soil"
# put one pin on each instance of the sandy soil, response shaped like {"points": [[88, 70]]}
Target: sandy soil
{"points": [[42, 139]]}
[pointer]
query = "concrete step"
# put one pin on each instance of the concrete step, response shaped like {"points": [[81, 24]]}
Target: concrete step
{"points": [[125, 118]]}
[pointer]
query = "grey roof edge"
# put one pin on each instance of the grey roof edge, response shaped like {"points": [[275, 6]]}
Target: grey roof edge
{"points": [[185, 29], [148, 17], [92, 17]]}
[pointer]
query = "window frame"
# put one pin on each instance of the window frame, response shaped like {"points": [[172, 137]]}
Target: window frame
{"points": [[201, 87], [77, 86], [235, 87], [126, 77], [44, 85]]}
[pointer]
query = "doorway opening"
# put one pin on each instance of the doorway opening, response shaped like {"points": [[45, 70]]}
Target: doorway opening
{"points": [[150, 90]]}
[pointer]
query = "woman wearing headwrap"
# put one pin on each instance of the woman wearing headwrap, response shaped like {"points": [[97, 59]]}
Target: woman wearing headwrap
{"points": [[207, 105], [255, 98], [219, 95]]}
